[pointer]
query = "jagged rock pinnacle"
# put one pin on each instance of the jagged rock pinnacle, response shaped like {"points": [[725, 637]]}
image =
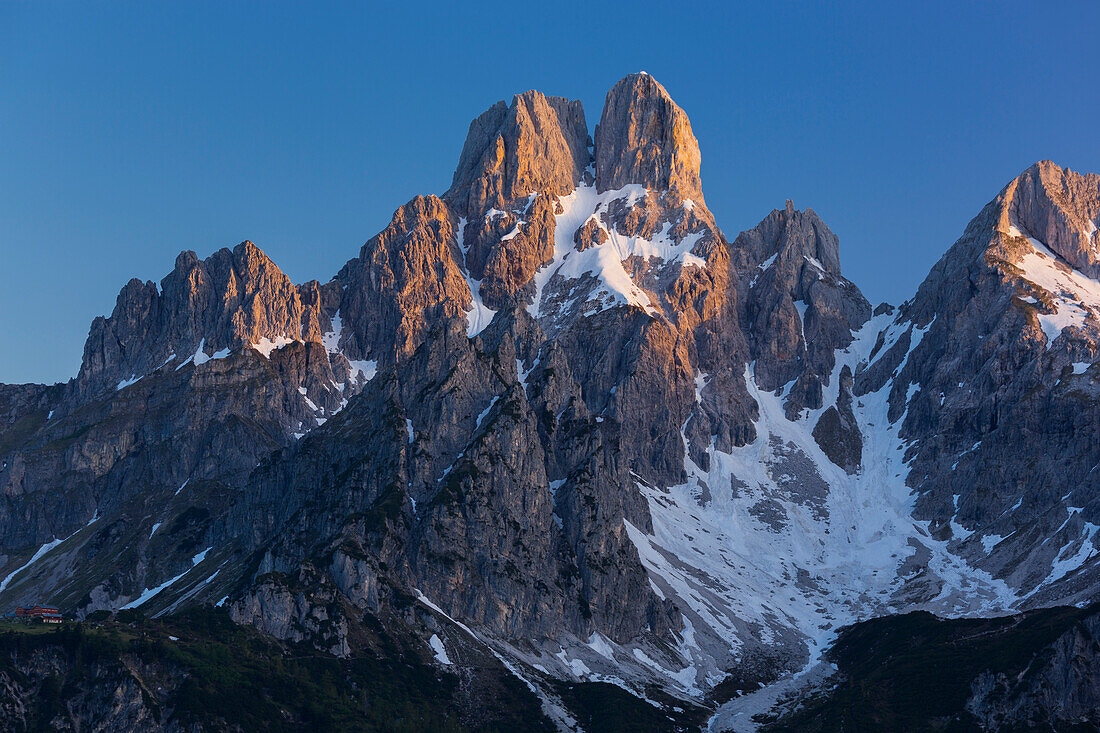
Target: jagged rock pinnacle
{"points": [[644, 137], [537, 143], [1058, 207]]}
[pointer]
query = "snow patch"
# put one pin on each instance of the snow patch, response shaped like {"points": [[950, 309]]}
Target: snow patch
{"points": [[480, 315], [42, 551], [123, 384], [990, 541], [605, 261], [266, 345], [439, 650], [331, 339], [363, 368], [1073, 554], [149, 593], [1076, 296], [788, 541], [34, 558], [485, 412]]}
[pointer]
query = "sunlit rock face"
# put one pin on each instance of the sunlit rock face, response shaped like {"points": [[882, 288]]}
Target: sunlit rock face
{"points": [[557, 409]]}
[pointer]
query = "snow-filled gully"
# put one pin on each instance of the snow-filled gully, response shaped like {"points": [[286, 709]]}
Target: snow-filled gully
{"points": [[774, 538]]}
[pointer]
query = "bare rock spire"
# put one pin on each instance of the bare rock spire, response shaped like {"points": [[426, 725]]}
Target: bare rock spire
{"points": [[537, 143], [644, 137], [1060, 208]]}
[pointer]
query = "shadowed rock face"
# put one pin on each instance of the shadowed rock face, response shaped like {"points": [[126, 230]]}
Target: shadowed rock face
{"points": [[799, 308], [993, 371], [1032, 670], [501, 402], [837, 430], [644, 137]]}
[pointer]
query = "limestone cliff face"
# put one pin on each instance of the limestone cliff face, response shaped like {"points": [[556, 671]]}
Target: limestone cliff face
{"points": [[516, 161], [535, 144], [1060, 208], [1063, 689], [233, 299], [446, 476], [800, 309], [644, 137], [521, 395], [993, 362], [405, 279]]}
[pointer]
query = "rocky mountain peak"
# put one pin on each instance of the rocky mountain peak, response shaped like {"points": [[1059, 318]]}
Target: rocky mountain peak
{"points": [[558, 417], [239, 296], [406, 278], [535, 144], [791, 235], [231, 299], [1060, 208], [644, 137], [800, 307]]}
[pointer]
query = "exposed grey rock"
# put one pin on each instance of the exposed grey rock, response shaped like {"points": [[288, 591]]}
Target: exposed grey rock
{"points": [[394, 447], [1001, 424], [644, 137], [837, 431]]}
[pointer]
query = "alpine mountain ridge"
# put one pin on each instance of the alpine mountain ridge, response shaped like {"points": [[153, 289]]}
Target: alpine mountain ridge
{"points": [[553, 426]]}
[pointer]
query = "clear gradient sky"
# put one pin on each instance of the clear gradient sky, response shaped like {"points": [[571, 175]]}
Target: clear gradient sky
{"points": [[131, 131]]}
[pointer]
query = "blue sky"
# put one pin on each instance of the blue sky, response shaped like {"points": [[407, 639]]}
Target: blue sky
{"points": [[131, 131]]}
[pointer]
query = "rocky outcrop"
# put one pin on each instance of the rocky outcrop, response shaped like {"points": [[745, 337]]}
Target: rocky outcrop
{"points": [[644, 137], [537, 144], [1061, 690], [48, 688], [517, 160], [231, 300], [443, 476], [131, 482], [799, 308], [1059, 208], [558, 406], [406, 278], [837, 430]]}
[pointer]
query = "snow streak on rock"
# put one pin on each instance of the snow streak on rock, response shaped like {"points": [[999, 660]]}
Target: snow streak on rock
{"points": [[775, 545]]}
